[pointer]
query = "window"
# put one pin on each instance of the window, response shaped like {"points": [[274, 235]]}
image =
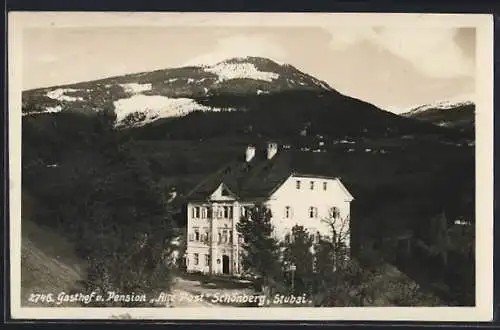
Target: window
{"points": [[204, 212], [312, 238], [297, 184], [220, 237], [207, 260], [325, 185], [317, 237], [196, 259], [197, 235], [313, 212], [224, 236], [311, 185], [206, 235], [196, 212], [287, 238], [333, 212], [288, 212], [220, 212], [231, 236], [228, 212]]}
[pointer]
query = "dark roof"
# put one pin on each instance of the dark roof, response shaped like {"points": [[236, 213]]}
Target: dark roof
{"points": [[260, 177]]}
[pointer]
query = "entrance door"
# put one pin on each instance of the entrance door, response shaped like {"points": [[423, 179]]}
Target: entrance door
{"points": [[225, 264]]}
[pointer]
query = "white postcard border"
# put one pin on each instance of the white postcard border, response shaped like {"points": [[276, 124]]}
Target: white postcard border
{"points": [[17, 21]]}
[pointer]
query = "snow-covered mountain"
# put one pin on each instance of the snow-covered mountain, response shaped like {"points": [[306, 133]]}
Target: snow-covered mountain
{"points": [[453, 113], [145, 97], [451, 103]]}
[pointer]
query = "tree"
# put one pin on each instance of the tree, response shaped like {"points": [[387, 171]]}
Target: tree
{"points": [[342, 281], [260, 250], [339, 236], [102, 197], [298, 253], [437, 244], [130, 240]]}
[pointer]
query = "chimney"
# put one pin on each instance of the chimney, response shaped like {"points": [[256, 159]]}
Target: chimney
{"points": [[272, 149], [250, 153]]}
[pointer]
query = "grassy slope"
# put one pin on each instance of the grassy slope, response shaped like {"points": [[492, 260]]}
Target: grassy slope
{"points": [[48, 264]]}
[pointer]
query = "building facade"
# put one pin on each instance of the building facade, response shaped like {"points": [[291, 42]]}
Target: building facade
{"points": [[215, 206]]}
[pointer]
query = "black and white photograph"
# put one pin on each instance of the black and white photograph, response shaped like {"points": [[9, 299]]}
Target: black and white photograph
{"points": [[211, 165]]}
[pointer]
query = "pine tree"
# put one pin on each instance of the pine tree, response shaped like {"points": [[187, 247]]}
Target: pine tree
{"points": [[261, 251], [298, 252]]}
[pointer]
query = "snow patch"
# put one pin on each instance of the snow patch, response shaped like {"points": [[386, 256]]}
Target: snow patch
{"points": [[134, 88], [321, 84], [454, 102], [152, 107], [58, 94], [228, 71], [55, 109], [260, 91], [171, 80]]}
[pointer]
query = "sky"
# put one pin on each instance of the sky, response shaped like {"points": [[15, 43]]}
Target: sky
{"points": [[394, 68]]}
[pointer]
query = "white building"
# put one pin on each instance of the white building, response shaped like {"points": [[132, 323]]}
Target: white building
{"points": [[215, 206]]}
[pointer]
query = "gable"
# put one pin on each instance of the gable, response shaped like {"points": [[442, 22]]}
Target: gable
{"points": [[223, 193], [347, 194]]}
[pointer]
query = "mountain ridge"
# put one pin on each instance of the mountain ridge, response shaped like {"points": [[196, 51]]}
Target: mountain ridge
{"points": [[457, 113], [280, 98], [147, 96]]}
